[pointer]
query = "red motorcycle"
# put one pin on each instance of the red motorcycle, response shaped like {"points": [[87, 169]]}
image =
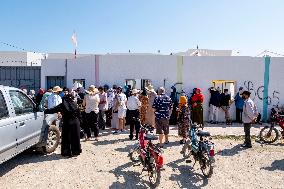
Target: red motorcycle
{"points": [[148, 154], [270, 134]]}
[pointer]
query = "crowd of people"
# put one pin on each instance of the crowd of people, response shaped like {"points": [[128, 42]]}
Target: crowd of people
{"points": [[97, 108]]}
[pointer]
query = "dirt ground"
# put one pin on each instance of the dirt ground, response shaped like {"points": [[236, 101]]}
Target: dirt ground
{"points": [[105, 164]]}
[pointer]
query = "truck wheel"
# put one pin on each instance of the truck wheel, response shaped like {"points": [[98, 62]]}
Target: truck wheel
{"points": [[53, 139]]}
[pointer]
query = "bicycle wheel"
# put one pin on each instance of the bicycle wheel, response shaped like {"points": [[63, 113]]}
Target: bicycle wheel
{"points": [[154, 174], [135, 155], [186, 149], [269, 135], [206, 165]]}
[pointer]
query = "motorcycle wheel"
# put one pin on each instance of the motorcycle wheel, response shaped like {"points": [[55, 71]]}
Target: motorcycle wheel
{"points": [[135, 155], [269, 135], [206, 165], [154, 175], [186, 149], [53, 139]]}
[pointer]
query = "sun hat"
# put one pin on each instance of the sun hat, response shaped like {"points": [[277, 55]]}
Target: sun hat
{"points": [[93, 89], [135, 91], [150, 88], [56, 89]]}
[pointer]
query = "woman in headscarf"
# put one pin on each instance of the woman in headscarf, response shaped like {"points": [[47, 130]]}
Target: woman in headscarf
{"points": [[70, 144], [183, 118], [150, 114], [197, 107], [144, 105]]}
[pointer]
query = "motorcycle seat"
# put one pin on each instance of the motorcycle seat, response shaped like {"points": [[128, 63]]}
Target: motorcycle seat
{"points": [[203, 134], [150, 137]]}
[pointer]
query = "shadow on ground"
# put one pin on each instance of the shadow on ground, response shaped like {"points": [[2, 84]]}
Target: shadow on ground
{"points": [[231, 151], [185, 176], [276, 165], [27, 157], [126, 178]]}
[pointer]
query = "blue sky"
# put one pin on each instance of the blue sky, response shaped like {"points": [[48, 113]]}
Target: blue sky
{"points": [[103, 26]]}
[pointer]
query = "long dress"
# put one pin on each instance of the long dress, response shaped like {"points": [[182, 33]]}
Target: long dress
{"points": [[197, 108], [150, 114], [70, 144], [183, 121], [144, 106]]}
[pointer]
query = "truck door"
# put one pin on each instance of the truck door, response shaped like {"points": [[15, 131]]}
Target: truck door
{"points": [[7, 131], [29, 122]]}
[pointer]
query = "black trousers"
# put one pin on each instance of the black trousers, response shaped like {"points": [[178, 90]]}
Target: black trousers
{"points": [[70, 144], [239, 115], [134, 114], [247, 127], [108, 117], [92, 124]]}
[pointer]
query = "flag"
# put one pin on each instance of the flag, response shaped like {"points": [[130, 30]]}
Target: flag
{"points": [[74, 39]]}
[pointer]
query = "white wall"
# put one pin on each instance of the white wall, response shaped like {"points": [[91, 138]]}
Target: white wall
{"points": [[54, 67], [114, 69], [81, 68], [276, 82], [200, 71], [13, 56]]}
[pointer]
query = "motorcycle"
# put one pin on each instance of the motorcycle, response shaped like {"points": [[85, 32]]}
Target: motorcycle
{"points": [[270, 134], [148, 154], [201, 148]]}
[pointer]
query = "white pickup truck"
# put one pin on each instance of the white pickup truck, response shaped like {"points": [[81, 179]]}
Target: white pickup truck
{"points": [[22, 126]]}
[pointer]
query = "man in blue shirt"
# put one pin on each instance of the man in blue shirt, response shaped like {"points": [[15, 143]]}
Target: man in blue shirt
{"points": [[239, 102], [163, 108]]}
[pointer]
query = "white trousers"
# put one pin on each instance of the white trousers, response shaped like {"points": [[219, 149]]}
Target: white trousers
{"points": [[213, 113]]}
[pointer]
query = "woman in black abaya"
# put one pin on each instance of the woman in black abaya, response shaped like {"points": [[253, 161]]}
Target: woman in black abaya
{"points": [[70, 144]]}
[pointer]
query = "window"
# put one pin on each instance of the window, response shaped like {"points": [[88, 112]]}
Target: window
{"points": [[3, 107], [131, 82], [225, 84], [79, 83], [22, 104], [145, 83]]}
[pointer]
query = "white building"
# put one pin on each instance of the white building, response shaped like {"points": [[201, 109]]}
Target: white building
{"points": [[261, 76], [15, 58]]}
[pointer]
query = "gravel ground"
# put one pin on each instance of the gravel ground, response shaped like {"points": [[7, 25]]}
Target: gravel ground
{"points": [[105, 164]]}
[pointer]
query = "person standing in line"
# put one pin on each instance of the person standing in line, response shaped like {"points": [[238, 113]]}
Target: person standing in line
{"points": [[163, 108], [115, 120], [122, 100], [183, 118], [150, 114], [39, 96], [91, 103], [43, 103], [214, 105], [110, 99], [54, 99], [239, 103], [103, 107], [70, 135], [144, 106], [197, 107], [249, 117], [133, 105], [225, 105]]}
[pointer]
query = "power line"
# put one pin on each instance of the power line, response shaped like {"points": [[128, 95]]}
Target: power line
{"points": [[15, 47]]}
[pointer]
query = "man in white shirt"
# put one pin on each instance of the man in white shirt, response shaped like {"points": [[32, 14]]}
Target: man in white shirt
{"points": [[54, 99], [133, 105], [91, 102], [249, 117], [103, 107]]}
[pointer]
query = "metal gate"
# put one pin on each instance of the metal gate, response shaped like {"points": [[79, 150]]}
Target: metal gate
{"points": [[52, 81], [27, 77]]}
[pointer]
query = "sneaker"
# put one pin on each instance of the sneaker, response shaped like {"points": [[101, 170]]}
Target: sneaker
{"points": [[167, 142], [115, 132]]}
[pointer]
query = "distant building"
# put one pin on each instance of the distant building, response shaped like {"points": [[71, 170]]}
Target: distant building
{"points": [[208, 52]]}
